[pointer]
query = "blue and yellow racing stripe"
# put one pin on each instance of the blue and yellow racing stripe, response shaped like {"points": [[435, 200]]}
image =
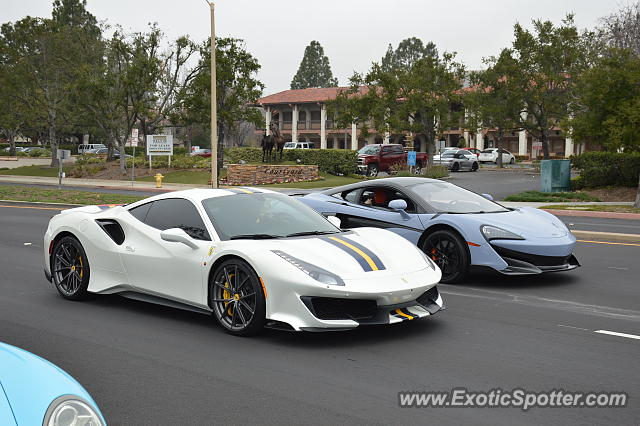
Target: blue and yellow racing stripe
{"points": [[365, 257]]}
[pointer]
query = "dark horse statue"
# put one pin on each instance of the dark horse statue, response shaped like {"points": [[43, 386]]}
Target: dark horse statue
{"points": [[274, 139]]}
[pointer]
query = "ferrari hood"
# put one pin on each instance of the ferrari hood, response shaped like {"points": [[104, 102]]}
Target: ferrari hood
{"points": [[355, 254]]}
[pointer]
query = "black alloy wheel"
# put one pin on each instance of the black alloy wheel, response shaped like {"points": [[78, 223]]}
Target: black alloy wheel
{"points": [[70, 268], [474, 167], [449, 252], [237, 298], [455, 167], [372, 170]]}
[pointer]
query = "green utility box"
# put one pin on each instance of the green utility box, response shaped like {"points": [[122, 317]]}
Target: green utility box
{"points": [[555, 175]]}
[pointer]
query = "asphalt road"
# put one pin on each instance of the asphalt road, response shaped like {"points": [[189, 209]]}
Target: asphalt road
{"points": [[151, 365], [597, 224], [499, 184]]}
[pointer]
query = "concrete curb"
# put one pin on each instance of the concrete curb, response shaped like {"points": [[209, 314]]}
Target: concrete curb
{"points": [[42, 203], [608, 236]]}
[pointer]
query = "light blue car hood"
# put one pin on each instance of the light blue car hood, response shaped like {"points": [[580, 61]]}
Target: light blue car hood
{"points": [[527, 222], [32, 383]]}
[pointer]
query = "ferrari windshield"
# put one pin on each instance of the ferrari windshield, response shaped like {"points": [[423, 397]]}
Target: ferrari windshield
{"points": [[444, 197], [369, 150], [262, 216]]}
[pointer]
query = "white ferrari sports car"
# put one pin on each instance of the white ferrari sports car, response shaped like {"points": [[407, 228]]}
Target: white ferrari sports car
{"points": [[253, 258]]}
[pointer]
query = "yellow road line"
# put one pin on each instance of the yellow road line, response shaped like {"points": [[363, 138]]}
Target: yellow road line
{"points": [[364, 255], [34, 207], [607, 242]]}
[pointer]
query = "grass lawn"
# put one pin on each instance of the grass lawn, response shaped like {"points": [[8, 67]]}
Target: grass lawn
{"points": [[44, 171], [26, 193], [607, 208], [196, 177], [552, 197]]}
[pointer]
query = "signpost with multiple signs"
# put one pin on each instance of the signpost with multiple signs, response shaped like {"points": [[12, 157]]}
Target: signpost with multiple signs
{"points": [[61, 154], [159, 145], [134, 144]]}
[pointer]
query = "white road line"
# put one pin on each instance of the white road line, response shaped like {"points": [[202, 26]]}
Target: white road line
{"points": [[615, 333], [576, 328]]}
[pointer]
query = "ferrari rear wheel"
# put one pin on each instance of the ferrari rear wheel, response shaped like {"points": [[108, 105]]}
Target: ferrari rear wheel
{"points": [[237, 298], [449, 252], [455, 167], [474, 168], [70, 268]]}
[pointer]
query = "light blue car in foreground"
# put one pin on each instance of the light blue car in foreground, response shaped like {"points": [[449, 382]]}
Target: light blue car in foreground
{"points": [[34, 392], [457, 228]]}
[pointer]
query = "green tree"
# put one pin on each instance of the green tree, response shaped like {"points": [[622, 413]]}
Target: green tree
{"points": [[409, 51], [493, 102], [314, 70], [237, 88], [542, 66], [423, 99], [124, 87]]}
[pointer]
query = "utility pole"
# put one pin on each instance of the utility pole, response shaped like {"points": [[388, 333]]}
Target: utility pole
{"points": [[214, 104]]}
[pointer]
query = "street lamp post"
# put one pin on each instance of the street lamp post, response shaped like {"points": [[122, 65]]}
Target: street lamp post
{"points": [[214, 104]]}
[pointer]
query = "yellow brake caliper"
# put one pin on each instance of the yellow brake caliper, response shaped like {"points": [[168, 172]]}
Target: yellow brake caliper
{"points": [[226, 294], [81, 267]]}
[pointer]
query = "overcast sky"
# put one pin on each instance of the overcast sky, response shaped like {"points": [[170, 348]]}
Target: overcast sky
{"points": [[353, 32]]}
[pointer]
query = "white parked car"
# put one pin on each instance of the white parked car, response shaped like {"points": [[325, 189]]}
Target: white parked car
{"points": [[83, 148], [490, 155], [299, 145], [251, 257]]}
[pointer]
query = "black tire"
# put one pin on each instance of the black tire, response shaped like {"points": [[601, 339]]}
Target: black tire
{"points": [[455, 167], [417, 170], [372, 170], [237, 298], [474, 167], [70, 269], [449, 252], [512, 161]]}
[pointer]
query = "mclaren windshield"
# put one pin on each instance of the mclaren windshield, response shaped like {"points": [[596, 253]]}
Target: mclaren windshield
{"points": [[264, 216], [444, 197]]}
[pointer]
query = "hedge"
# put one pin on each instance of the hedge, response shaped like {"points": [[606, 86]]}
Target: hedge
{"points": [[334, 161], [607, 169]]}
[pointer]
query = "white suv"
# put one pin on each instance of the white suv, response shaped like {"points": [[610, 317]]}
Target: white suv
{"points": [[83, 148], [299, 145]]}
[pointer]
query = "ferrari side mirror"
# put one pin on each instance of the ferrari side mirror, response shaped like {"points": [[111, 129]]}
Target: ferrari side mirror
{"points": [[177, 235]]}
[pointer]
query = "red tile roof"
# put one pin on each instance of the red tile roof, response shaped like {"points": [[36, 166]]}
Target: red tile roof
{"points": [[300, 96]]}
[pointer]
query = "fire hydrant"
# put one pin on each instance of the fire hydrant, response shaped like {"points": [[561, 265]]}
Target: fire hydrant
{"points": [[159, 178]]}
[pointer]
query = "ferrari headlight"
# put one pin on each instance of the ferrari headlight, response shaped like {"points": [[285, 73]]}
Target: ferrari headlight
{"points": [[428, 260], [495, 233], [321, 275], [71, 411]]}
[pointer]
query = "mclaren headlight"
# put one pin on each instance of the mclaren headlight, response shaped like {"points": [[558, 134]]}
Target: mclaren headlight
{"points": [[495, 233], [321, 275], [70, 410]]}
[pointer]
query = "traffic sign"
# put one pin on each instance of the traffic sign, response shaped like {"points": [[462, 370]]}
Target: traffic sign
{"points": [[411, 158]]}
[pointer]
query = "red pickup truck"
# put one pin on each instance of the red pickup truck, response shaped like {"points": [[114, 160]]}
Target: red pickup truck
{"points": [[380, 157]]}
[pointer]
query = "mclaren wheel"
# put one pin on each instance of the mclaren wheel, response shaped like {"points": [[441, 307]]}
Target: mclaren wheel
{"points": [[372, 170], [70, 268], [474, 167], [455, 167], [450, 253], [237, 298]]}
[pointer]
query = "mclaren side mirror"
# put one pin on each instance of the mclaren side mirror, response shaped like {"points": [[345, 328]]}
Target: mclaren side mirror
{"points": [[177, 235], [398, 205], [488, 197], [335, 221]]}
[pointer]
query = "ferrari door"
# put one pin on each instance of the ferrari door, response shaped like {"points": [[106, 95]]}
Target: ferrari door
{"points": [[164, 268]]}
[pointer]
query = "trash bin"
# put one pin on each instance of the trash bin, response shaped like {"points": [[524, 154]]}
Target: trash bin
{"points": [[555, 175]]}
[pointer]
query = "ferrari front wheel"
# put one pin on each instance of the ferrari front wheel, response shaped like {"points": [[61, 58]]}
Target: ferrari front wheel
{"points": [[449, 252], [237, 298], [70, 268]]}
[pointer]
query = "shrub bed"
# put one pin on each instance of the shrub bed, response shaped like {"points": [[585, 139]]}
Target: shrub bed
{"points": [[606, 169], [334, 161]]}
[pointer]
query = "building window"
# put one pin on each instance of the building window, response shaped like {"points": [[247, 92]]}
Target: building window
{"points": [[287, 116]]}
